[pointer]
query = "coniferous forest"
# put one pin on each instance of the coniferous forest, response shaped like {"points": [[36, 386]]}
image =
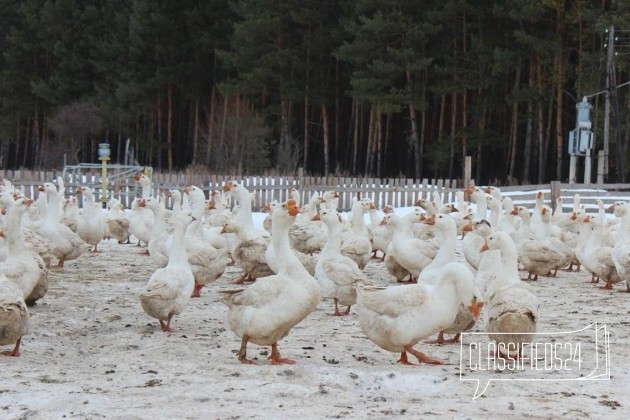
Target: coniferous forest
{"points": [[362, 87]]}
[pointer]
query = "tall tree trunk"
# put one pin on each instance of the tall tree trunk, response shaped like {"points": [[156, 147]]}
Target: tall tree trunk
{"points": [[559, 77], [326, 140], [559, 118], [464, 130], [423, 118], [415, 139], [529, 133], [30, 123], [514, 129], [370, 138], [306, 139], [355, 142], [451, 161], [169, 126], [158, 125], [211, 117], [196, 132], [379, 142], [481, 126]]}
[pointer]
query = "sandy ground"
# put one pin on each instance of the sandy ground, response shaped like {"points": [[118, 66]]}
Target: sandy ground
{"points": [[92, 352]]}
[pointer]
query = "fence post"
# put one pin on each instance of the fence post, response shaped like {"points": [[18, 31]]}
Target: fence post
{"points": [[600, 166], [555, 193], [300, 179], [467, 170]]}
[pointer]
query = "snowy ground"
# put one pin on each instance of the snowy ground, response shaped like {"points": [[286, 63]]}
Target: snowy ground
{"points": [[92, 352]]}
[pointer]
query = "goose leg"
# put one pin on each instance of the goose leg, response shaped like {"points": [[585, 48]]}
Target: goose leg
{"points": [[453, 340], [423, 358], [145, 252], [196, 291], [16, 350], [627, 288], [240, 280], [607, 286], [439, 340], [242, 352], [403, 359], [347, 312], [337, 313], [166, 326], [276, 359]]}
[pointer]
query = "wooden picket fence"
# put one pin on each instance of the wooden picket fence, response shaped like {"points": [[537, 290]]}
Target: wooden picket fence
{"points": [[398, 192]]}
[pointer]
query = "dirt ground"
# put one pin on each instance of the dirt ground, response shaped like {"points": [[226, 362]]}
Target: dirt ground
{"points": [[93, 353]]}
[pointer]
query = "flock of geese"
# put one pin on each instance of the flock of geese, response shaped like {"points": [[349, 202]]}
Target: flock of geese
{"points": [[301, 255]]}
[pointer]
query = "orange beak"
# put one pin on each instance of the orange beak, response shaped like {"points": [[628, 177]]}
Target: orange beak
{"points": [[468, 227], [422, 217], [430, 221], [137, 176], [372, 206], [417, 203], [484, 247], [573, 216], [587, 219], [470, 189], [514, 212], [28, 201], [544, 211], [383, 222], [1, 233], [41, 188], [488, 190], [455, 209], [223, 230], [611, 208], [475, 309], [227, 187], [142, 203], [194, 218], [316, 218]]}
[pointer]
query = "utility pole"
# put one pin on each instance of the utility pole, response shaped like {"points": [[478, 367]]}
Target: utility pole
{"points": [[609, 84]]}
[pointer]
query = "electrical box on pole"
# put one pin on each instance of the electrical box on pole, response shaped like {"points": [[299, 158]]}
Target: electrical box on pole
{"points": [[581, 139]]}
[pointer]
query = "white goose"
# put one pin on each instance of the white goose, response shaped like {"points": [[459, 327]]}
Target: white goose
{"points": [[13, 315], [306, 235], [158, 250], [265, 312], [621, 250], [65, 245], [23, 266], [511, 305], [412, 253], [396, 318], [207, 261], [474, 240], [249, 252], [380, 235], [169, 288], [447, 233], [597, 257], [117, 221], [141, 218], [71, 213], [537, 257], [356, 243], [91, 224], [336, 273]]}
